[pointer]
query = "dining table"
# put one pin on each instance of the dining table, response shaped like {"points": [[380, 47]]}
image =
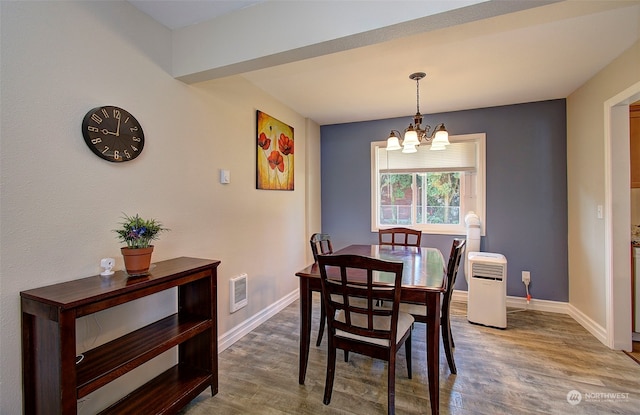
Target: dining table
{"points": [[423, 282]]}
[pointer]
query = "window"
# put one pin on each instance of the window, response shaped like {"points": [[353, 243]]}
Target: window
{"points": [[429, 190]]}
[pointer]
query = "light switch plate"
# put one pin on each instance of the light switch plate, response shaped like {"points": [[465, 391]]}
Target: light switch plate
{"points": [[225, 176]]}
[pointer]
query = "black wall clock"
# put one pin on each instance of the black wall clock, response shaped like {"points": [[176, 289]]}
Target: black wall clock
{"points": [[113, 134]]}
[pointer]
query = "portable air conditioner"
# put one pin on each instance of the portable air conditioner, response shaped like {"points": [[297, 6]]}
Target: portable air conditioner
{"points": [[487, 301]]}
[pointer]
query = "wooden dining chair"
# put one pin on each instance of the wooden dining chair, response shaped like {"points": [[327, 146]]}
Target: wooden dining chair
{"points": [[419, 311], [399, 237], [320, 245], [360, 326]]}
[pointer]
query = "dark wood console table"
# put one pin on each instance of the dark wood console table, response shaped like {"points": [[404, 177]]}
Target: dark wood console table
{"points": [[52, 382]]}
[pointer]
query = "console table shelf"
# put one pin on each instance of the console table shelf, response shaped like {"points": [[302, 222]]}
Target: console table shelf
{"points": [[99, 366], [167, 393], [52, 380]]}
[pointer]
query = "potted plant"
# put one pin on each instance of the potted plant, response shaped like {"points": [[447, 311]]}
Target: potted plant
{"points": [[138, 233]]}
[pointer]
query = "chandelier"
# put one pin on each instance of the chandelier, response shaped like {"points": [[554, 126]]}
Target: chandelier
{"points": [[414, 135]]}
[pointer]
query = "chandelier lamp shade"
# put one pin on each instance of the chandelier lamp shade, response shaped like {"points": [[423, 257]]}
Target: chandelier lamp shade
{"points": [[414, 134]]}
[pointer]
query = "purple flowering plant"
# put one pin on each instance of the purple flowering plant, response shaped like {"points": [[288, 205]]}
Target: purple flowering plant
{"points": [[137, 232]]}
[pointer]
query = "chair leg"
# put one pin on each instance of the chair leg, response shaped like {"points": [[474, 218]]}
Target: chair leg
{"points": [[407, 352], [446, 341], [391, 385], [331, 370], [323, 318], [453, 345]]}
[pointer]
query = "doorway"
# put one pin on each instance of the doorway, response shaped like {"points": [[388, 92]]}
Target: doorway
{"points": [[618, 218], [634, 134]]}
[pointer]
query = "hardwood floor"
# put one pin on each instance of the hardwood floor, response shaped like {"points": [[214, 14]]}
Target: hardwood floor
{"points": [[528, 368], [635, 351]]}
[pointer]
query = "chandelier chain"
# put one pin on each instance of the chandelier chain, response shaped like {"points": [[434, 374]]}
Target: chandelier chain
{"points": [[418, 95]]}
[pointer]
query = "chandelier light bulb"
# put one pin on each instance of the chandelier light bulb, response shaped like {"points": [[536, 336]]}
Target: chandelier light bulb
{"points": [[441, 136], [410, 137], [393, 143], [409, 148]]}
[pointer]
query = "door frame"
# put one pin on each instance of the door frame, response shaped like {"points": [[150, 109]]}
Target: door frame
{"points": [[618, 218]]}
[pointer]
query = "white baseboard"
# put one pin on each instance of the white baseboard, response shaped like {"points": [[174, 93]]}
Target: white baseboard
{"points": [[521, 302], [591, 326], [227, 339], [599, 332], [460, 296]]}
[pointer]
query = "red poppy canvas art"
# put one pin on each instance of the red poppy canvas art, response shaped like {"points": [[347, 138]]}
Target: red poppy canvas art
{"points": [[274, 169]]}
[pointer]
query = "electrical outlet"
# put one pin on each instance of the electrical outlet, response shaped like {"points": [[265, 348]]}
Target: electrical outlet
{"points": [[526, 277]]}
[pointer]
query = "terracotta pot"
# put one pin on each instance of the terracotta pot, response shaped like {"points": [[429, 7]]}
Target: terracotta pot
{"points": [[137, 260]]}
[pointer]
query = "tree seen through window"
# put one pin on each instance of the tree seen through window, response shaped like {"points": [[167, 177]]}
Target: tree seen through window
{"points": [[437, 199]]}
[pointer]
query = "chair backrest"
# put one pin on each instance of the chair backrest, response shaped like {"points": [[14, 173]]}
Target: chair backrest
{"points": [[350, 294], [457, 250], [399, 237], [320, 244]]}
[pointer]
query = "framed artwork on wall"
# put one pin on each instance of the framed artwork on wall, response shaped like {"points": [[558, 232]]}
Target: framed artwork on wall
{"points": [[274, 162]]}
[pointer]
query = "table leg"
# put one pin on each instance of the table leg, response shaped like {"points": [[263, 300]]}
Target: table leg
{"points": [[305, 328], [433, 350]]}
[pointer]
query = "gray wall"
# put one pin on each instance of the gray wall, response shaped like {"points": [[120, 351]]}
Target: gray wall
{"points": [[526, 188]]}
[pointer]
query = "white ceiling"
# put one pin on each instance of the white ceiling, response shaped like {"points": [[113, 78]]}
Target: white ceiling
{"points": [[537, 54], [180, 13]]}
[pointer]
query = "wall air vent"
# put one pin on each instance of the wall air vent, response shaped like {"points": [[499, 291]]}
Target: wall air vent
{"points": [[237, 293]]}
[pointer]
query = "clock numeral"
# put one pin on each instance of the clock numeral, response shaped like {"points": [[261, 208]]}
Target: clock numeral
{"points": [[126, 153], [105, 113], [136, 139], [133, 129], [134, 148], [92, 128], [116, 155], [116, 114], [96, 118], [106, 148], [96, 140], [126, 121]]}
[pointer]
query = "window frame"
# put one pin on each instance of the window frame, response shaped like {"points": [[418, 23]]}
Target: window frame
{"points": [[467, 183]]}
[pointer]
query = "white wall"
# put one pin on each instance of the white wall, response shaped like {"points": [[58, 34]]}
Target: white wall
{"points": [[59, 202], [586, 174]]}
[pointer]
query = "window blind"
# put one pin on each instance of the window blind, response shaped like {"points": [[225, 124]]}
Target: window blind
{"points": [[460, 156]]}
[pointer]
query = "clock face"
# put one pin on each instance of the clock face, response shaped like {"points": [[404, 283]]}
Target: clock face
{"points": [[113, 134]]}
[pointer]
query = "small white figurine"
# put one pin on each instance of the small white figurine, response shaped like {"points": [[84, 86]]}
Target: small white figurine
{"points": [[107, 264]]}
